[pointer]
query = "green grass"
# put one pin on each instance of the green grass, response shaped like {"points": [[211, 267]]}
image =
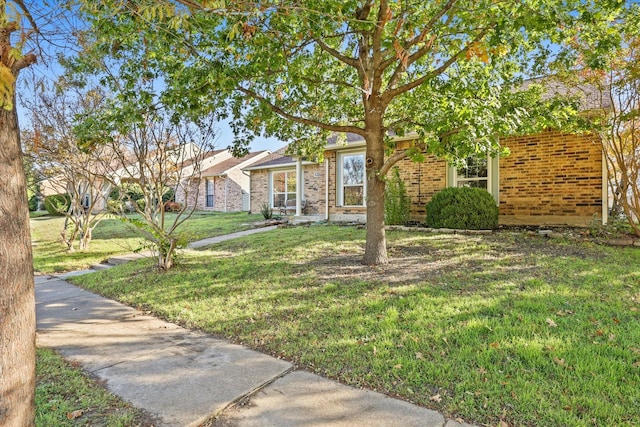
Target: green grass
{"points": [[113, 237], [66, 397], [504, 327]]}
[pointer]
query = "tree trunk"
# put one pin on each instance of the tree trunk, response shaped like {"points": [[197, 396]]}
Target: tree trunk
{"points": [[375, 252], [17, 301]]}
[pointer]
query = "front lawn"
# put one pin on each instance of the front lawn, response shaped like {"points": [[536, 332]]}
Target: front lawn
{"points": [[505, 327], [113, 237]]}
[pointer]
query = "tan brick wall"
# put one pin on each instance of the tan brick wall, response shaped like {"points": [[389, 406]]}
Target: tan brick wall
{"points": [[548, 178], [552, 174], [259, 189], [314, 189], [422, 181]]}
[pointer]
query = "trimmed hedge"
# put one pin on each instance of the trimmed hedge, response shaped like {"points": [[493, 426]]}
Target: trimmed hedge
{"points": [[57, 204], [463, 208]]}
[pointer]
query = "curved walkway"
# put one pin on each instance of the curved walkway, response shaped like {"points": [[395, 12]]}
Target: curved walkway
{"points": [[187, 378]]}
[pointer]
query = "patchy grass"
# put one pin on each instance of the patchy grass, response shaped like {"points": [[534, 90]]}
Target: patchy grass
{"points": [[113, 237], [66, 397], [505, 327]]}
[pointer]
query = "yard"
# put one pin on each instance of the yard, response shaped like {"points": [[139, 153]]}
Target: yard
{"points": [[487, 328], [113, 237]]}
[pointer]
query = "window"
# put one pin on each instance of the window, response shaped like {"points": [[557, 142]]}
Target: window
{"points": [[473, 172], [479, 171], [352, 179], [209, 191], [283, 188]]}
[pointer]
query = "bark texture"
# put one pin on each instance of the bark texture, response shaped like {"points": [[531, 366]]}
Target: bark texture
{"points": [[375, 252], [17, 300]]}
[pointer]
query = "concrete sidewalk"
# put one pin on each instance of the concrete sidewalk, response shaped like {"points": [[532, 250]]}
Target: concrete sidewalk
{"points": [[185, 378]]}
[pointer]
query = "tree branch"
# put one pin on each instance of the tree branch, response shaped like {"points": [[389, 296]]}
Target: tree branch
{"points": [[353, 62], [392, 160], [279, 111], [392, 93]]}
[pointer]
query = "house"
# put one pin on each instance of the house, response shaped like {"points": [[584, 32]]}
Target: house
{"points": [[550, 178], [223, 186]]}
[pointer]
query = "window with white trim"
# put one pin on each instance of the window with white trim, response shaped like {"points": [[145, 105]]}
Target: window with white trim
{"points": [[283, 188], [473, 172], [209, 192], [351, 176], [480, 171]]}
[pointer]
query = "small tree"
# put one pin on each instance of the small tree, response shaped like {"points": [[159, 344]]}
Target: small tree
{"points": [[617, 121], [81, 172], [397, 204]]}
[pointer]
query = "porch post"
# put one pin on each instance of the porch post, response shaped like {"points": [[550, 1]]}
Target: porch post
{"points": [[299, 183]]}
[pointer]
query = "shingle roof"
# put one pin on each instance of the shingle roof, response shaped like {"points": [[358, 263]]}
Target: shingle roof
{"points": [[591, 98], [222, 167]]}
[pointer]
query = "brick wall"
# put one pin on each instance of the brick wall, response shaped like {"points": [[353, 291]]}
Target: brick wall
{"points": [[551, 174], [422, 181], [314, 189], [259, 189]]}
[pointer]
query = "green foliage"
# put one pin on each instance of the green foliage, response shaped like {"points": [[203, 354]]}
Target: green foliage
{"points": [[397, 204], [266, 211], [33, 203], [462, 208], [169, 195], [57, 204]]}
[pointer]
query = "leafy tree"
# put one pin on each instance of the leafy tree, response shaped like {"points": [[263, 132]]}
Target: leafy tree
{"points": [[446, 71]]}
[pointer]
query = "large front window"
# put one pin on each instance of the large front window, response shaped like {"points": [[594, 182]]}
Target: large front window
{"points": [[283, 187], [352, 179]]}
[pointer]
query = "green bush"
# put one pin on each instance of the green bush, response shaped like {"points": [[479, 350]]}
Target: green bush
{"points": [[33, 203], [169, 195], [57, 204], [462, 208], [396, 202]]}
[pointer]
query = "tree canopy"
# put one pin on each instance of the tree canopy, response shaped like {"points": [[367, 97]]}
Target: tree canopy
{"points": [[445, 71]]}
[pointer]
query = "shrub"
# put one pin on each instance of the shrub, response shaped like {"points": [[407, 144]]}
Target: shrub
{"points": [[172, 206], [169, 195], [141, 204], [266, 211], [57, 204], [396, 202], [462, 208], [33, 203]]}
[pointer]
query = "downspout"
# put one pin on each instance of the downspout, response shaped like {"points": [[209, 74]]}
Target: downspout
{"points": [[299, 184], [326, 189]]}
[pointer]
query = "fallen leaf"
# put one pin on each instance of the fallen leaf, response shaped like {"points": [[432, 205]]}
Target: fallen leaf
{"points": [[503, 424], [398, 366], [375, 350], [436, 398], [551, 323], [559, 361], [599, 332], [75, 414], [482, 371], [419, 355], [494, 344]]}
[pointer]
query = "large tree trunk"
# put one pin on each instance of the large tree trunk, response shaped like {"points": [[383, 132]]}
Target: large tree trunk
{"points": [[376, 246], [17, 301]]}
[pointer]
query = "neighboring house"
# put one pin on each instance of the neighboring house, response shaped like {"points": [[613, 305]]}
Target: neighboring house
{"points": [[551, 178], [223, 185]]}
